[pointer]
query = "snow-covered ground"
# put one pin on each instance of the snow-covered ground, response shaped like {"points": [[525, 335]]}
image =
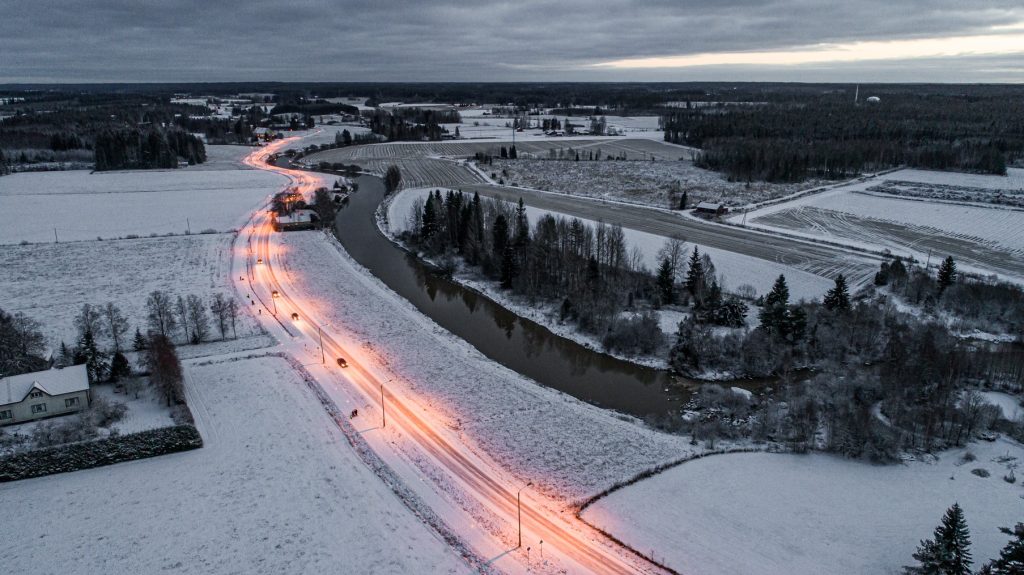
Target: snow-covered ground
{"points": [[980, 236], [646, 183], [84, 206], [275, 489], [50, 282], [1008, 404], [761, 513], [734, 269], [571, 450]]}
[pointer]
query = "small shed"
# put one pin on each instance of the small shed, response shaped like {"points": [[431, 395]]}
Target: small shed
{"points": [[710, 209]]}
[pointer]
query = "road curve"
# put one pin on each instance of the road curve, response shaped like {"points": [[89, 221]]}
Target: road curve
{"points": [[577, 545]]}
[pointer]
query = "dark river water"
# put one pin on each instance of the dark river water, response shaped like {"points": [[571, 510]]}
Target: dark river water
{"points": [[517, 343]]}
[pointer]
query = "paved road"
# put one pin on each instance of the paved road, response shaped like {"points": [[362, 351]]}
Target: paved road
{"points": [[581, 548]]}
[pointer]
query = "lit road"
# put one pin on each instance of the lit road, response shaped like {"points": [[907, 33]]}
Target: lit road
{"points": [[575, 546]]}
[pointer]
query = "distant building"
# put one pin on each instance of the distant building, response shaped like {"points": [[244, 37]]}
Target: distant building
{"points": [[711, 209], [41, 394], [300, 219]]}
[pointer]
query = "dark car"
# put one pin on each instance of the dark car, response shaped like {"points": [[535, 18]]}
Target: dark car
{"points": [[295, 316], [342, 362]]}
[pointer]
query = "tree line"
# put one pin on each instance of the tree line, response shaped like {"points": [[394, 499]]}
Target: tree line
{"points": [[134, 148], [584, 270], [412, 123], [828, 137]]}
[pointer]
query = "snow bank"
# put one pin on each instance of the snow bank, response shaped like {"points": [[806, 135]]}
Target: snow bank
{"points": [[769, 513]]}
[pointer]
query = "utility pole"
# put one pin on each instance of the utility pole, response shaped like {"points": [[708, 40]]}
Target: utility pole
{"points": [[188, 227], [519, 511], [383, 414], [321, 334], [55, 240]]}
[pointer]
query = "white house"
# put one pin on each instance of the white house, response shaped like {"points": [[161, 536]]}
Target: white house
{"points": [[42, 394]]}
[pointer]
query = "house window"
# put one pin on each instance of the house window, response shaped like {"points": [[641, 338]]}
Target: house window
{"points": [[39, 408], [5, 414], [71, 402], [36, 394]]}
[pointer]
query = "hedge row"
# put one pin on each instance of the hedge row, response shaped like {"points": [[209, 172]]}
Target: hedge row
{"points": [[88, 454]]}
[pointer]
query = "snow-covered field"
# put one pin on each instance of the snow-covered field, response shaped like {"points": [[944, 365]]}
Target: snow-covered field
{"points": [[50, 282], [647, 183], [571, 450], [1008, 404], [734, 269], [985, 238], [83, 205], [761, 513], [275, 489]]}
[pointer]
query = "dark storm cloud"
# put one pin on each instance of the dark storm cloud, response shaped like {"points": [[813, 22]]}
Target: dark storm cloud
{"points": [[364, 40]]}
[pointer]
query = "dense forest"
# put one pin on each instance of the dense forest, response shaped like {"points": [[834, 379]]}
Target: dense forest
{"points": [[133, 149], [830, 137], [112, 131], [412, 123]]}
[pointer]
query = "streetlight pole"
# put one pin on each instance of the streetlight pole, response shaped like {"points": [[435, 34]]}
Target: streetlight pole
{"points": [[383, 414], [519, 511], [320, 333], [274, 299]]}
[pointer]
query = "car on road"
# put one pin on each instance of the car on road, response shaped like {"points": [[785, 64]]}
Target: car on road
{"points": [[259, 260], [295, 316], [342, 362], [275, 294]]}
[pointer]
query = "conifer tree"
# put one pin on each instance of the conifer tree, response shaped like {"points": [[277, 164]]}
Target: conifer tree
{"points": [[695, 274], [838, 298], [775, 310], [666, 281], [947, 274], [948, 552], [1011, 558], [139, 342], [95, 360]]}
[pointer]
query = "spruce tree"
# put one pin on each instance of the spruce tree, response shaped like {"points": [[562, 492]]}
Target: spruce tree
{"points": [[838, 298], [94, 359], [666, 281], [119, 367], [948, 552], [695, 274], [139, 342], [775, 311], [947, 274], [1011, 558]]}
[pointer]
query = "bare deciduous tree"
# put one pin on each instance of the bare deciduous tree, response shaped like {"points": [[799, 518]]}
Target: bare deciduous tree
{"points": [[116, 324], [199, 321], [160, 313]]}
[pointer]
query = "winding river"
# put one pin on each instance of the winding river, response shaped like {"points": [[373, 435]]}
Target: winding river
{"points": [[515, 342]]}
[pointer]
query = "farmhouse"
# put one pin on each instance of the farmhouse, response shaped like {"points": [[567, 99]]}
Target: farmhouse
{"points": [[40, 394], [710, 209], [300, 219]]}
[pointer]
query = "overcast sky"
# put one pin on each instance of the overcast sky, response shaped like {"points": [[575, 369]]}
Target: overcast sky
{"points": [[470, 40]]}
